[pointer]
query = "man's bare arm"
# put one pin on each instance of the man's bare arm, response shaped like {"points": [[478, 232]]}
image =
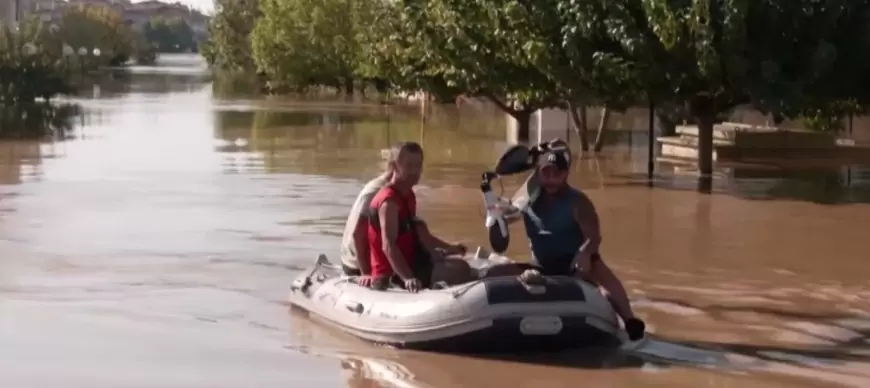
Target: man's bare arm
{"points": [[361, 244], [428, 239], [389, 216], [587, 219]]}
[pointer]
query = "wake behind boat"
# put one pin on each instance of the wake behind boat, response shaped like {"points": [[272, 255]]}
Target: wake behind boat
{"points": [[487, 315]]}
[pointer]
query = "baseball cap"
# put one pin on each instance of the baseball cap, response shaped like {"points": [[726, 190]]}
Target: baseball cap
{"points": [[560, 159]]}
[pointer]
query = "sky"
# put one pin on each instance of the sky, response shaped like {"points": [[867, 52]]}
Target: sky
{"points": [[202, 5]]}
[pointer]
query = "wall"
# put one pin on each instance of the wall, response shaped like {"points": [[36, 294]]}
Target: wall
{"points": [[6, 12], [550, 123]]}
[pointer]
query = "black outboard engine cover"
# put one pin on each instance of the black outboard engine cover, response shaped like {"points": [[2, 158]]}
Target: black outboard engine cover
{"points": [[515, 160]]}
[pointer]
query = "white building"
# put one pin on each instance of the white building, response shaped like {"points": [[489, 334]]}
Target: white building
{"points": [[9, 10]]}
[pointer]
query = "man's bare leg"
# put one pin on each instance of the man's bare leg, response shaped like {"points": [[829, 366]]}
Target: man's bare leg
{"points": [[602, 274]]}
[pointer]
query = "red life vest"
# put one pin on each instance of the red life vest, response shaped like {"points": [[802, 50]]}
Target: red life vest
{"points": [[406, 239]]}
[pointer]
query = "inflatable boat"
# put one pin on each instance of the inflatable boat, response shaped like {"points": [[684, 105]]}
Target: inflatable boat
{"points": [[487, 315]]}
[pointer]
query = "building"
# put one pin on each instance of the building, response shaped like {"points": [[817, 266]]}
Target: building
{"points": [[6, 12], [10, 11]]}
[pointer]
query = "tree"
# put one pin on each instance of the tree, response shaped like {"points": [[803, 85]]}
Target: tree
{"points": [[487, 48], [714, 55], [515, 53], [396, 55], [229, 44], [29, 68], [170, 35], [98, 27], [302, 43]]}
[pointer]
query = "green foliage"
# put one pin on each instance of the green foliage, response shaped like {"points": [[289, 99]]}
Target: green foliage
{"points": [[229, 44], [97, 27], [144, 51], [302, 43], [710, 56], [501, 50], [236, 84], [698, 58], [829, 116], [396, 52], [714, 55], [169, 35], [28, 70]]}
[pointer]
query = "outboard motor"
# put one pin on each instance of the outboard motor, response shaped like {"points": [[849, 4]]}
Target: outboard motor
{"points": [[516, 160], [496, 224]]}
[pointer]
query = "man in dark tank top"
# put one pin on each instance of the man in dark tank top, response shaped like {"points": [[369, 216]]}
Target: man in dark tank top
{"points": [[564, 234]]}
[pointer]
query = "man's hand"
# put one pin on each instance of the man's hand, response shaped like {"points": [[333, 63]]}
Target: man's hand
{"points": [[507, 210], [457, 249], [452, 249], [413, 285], [365, 281], [583, 261]]}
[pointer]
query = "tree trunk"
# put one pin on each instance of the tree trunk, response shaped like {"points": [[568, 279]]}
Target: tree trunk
{"points": [[778, 119], [705, 144], [704, 109], [522, 116], [348, 86], [579, 119], [602, 127]]}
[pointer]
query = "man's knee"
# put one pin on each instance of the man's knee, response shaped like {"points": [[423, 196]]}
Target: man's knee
{"points": [[600, 273], [595, 273]]}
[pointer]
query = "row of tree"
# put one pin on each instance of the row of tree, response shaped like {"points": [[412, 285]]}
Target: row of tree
{"points": [[39, 61], [172, 35], [93, 27], [694, 59]]}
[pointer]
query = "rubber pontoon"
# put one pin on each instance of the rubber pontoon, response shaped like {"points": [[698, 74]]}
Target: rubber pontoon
{"points": [[488, 315]]}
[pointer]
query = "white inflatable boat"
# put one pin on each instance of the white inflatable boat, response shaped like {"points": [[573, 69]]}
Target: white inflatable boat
{"points": [[487, 315]]}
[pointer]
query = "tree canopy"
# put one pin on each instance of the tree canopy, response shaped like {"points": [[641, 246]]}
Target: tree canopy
{"points": [[98, 27], [301, 43], [172, 35], [788, 58], [229, 30]]}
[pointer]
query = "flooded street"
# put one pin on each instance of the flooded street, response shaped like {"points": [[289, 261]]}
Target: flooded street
{"points": [[155, 246]]}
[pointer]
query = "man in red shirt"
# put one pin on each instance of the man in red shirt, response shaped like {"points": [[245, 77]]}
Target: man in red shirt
{"points": [[399, 243]]}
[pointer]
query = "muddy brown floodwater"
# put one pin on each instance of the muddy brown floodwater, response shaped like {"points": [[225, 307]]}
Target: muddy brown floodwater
{"points": [[154, 248]]}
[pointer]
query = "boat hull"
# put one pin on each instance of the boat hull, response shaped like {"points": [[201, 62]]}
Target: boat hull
{"points": [[489, 315]]}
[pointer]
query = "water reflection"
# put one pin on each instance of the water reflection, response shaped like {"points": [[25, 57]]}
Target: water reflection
{"points": [[38, 121], [173, 73], [133, 81], [829, 345], [843, 185], [349, 144]]}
